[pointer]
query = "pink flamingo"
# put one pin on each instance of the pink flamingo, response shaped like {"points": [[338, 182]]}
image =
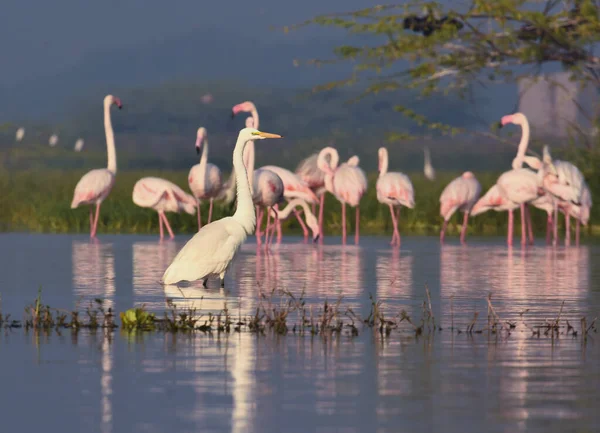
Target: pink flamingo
{"points": [[460, 194], [347, 183], [294, 187], [494, 200], [566, 183], [266, 186], [162, 196], [311, 221], [96, 184], [310, 173], [581, 212], [520, 185], [394, 189], [204, 179]]}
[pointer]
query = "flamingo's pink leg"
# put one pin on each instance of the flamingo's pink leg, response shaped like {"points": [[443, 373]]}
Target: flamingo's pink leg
{"points": [[396, 235], [166, 221], [357, 229], [268, 229], [274, 225], [511, 221], [463, 230], [198, 212], [529, 225], [259, 216], [443, 231], [523, 223], [321, 206], [160, 226], [93, 234], [398, 222], [568, 227], [278, 224], [343, 223], [210, 211], [555, 226], [577, 232], [548, 228], [304, 228], [91, 218]]}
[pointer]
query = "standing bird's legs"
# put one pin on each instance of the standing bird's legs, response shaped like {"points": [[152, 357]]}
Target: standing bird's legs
{"points": [[321, 217], [91, 218], [529, 225], [396, 235], [443, 231], [210, 211], [523, 224], [160, 226], [93, 232], [269, 239], [278, 225], [166, 221], [356, 234], [548, 229], [267, 229], [463, 230], [259, 215], [511, 222], [567, 228], [198, 212], [577, 233], [222, 277], [304, 228], [555, 227], [343, 223]]}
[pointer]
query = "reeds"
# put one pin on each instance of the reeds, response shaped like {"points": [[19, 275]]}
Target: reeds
{"points": [[282, 313]]}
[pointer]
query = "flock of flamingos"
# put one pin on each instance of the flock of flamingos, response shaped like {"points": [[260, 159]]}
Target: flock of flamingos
{"points": [[550, 185]]}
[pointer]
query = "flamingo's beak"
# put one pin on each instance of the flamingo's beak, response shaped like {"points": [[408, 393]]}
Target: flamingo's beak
{"points": [[316, 238], [232, 114]]}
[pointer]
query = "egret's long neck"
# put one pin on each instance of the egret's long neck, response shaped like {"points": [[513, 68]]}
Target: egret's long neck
{"points": [[518, 161], [244, 213], [110, 140], [249, 162], [383, 164]]}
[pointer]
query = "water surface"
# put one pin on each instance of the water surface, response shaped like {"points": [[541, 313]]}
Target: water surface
{"points": [[244, 383]]}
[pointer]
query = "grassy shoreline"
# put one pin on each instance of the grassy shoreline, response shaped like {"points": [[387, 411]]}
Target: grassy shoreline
{"points": [[39, 201]]}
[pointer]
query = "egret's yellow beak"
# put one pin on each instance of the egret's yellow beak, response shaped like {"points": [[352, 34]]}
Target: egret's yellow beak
{"points": [[269, 135]]}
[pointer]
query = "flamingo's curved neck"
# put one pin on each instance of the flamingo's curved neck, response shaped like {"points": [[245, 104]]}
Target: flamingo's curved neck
{"points": [[328, 167], [383, 163], [286, 211], [204, 156], [518, 161], [254, 115], [244, 213], [110, 140]]}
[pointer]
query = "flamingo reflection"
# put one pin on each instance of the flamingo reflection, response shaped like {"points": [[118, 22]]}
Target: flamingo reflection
{"points": [[94, 278]]}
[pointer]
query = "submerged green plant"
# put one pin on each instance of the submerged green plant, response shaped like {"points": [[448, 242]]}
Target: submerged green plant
{"points": [[138, 319]]}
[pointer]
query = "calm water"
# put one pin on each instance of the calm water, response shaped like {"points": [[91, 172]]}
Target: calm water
{"points": [[244, 383]]}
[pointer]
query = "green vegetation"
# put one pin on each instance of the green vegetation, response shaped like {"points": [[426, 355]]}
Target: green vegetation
{"points": [[39, 201]]}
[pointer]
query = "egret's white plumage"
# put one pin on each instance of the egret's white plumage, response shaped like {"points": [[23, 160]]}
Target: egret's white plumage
{"points": [[96, 184], [212, 249], [162, 196], [204, 178]]}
